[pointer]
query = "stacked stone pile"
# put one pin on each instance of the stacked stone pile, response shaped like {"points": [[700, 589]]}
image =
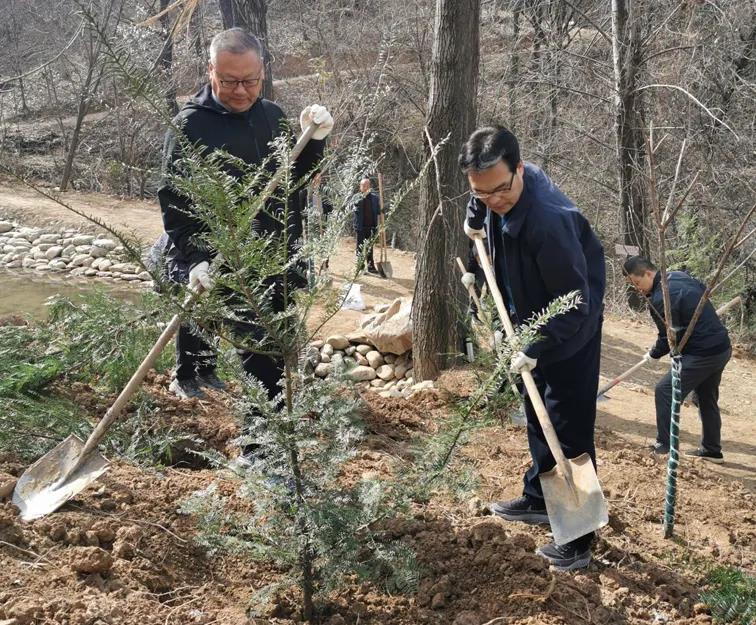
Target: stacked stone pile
{"points": [[68, 250], [389, 375]]}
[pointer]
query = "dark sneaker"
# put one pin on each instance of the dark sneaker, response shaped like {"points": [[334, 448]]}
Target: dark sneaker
{"points": [[525, 509], [186, 389], [709, 456], [211, 380], [659, 449], [566, 557]]}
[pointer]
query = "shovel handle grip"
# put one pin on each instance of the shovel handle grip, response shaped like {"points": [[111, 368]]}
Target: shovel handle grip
{"points": [[535, 397]]}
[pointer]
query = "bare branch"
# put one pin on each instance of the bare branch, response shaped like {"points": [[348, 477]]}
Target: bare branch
{"points": [[696, 100]]}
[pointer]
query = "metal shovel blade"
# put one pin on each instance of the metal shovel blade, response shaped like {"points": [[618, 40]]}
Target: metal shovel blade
{"points": [[576, 507], [602, 398], [385, 269], [46, 485]]}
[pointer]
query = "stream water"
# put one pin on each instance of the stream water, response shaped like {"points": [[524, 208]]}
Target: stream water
{"points": [[26, 293]]}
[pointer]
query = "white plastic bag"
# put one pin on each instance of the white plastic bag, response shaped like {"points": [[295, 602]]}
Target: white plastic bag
{"points": [[353, 299]]}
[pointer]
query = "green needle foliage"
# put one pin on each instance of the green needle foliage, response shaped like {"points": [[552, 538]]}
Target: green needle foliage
{"points": [[731, 595]]}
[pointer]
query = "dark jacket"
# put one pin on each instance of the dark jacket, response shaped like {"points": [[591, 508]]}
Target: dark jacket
{"points": [[709, 336], [358, 219], [548, 249], [246, 135]]}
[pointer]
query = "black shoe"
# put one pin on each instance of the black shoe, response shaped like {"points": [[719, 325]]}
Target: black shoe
{"points": [[659, 449], [525, 509], [372, 269], [710, 456], [211, 380], [566, 557], [186, 389]]}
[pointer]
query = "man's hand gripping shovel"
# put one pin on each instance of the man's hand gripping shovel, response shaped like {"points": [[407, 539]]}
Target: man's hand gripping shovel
{"points": [[73, 464], [574, 500]]}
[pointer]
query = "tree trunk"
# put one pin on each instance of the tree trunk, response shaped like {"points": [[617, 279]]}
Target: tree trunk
{"points": [[166, 60], [626, 56], [439, 298], [252, 16]]}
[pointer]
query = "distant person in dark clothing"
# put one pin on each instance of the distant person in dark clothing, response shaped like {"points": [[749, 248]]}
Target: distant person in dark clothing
{"points": [[541, 247], [704, 356], [229, 114], [367, 209]]}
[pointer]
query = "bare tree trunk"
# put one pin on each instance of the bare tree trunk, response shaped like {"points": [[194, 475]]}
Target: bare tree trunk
{"points": [[166, 59], [626, 56], [252, 16], [81, 113], [452, 111]]}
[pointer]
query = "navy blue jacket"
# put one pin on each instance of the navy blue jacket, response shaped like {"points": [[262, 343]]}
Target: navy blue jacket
{"points": [[709, 336], [548, 249], [358, 221]]}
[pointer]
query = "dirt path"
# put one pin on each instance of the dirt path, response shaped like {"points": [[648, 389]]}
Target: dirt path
{"points": [[629, 413]]}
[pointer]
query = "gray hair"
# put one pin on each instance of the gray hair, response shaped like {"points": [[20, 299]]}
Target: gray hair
{"points": [[236, 41]]}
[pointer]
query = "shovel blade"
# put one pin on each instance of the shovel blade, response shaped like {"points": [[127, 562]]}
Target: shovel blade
{"points": [[386, 269], [577, 506], [602, 398], [42, 489]]}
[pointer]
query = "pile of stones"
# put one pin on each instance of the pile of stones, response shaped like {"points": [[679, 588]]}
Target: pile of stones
{"points": [[69, 251], [389, 375]]}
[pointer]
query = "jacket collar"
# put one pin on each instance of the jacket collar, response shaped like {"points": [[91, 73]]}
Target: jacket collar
{"points": [[513, 221], [656, 284]]}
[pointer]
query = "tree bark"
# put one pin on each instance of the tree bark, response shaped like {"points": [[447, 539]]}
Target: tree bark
{"points": [[252, 16], [629, 124], [439, 298], [166, 60]]}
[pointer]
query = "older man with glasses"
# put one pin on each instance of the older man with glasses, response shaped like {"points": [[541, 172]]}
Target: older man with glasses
{"points": [[541, 247], [228, 114]]}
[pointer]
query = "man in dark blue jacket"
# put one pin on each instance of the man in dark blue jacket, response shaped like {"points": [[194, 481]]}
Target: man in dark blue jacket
{"points": [[541, 248], [704, 356], [367, 209]]}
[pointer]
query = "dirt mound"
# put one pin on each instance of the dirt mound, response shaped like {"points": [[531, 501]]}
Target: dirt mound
{"points": [[122, 552]]}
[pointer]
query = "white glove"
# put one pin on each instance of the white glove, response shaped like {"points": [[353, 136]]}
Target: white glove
{"points": [[317, 114], [496, 339], [200, 278], [521, 363], [473, 233], [468, 279]]}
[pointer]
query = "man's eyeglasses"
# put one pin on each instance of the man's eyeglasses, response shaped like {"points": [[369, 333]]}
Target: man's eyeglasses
{"points": [[232, 84], [478, 195]]}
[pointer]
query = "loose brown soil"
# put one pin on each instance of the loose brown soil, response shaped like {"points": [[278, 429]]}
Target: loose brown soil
{"points": [[121, 553]]}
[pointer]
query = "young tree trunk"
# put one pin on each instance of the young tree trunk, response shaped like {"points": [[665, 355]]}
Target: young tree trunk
{"points": [[439, 298]]}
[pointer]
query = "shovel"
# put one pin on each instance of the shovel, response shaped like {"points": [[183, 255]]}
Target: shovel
{"points": [[384, 266], [73, 464], [574, 501]]}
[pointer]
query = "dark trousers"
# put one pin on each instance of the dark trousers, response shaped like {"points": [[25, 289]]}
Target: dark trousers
{"points": [[568, 389], [701, 374], [363, 234], [194, 355]]}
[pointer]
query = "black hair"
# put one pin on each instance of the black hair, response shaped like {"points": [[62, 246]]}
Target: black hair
{"points": [[488, 146], [637, 266]]}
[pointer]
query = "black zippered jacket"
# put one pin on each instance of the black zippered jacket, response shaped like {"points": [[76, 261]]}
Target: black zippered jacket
{"points": [[709, 336], [206, 123]]}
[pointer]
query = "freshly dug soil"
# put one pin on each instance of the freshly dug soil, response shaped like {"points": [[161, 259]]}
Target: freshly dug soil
{"points": [[121, 553]]}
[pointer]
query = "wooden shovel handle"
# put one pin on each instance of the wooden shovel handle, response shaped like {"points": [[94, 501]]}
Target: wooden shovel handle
{"points": [[620, 377], [382, 234], [527, 377], [470, 289]]}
